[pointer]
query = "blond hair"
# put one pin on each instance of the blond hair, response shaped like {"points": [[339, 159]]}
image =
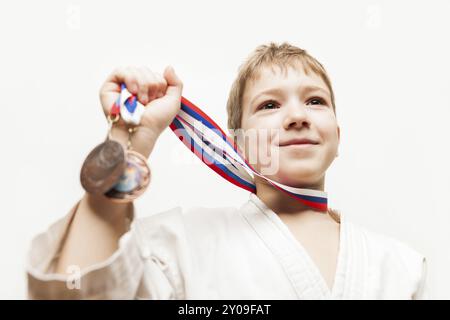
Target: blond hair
{"points": [[270, 55]]}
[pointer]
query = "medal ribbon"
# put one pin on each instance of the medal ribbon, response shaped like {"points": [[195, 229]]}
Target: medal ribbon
{"points": [[209, 143]]}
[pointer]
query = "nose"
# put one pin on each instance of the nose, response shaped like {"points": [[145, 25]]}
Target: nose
{"points": [[296, 116]]}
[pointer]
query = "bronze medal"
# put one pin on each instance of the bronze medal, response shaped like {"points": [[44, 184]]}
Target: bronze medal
{"points": [[103, 167]]}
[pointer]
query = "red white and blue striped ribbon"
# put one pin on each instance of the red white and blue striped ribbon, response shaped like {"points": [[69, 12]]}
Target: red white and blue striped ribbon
{"points": [[211, 145]]}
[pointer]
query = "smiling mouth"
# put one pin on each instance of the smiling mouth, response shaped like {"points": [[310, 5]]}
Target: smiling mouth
{"points": [[298, 147], [299, 143]]}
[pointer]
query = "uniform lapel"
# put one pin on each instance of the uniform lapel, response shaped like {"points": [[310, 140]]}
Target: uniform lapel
{"points": [[353, 265], [304, 276]]}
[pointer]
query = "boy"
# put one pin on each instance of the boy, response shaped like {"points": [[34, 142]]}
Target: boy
{"points": [[272, 247]]}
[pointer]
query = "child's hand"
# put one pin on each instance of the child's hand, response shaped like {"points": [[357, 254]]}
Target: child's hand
{"points": [[160, 94]]}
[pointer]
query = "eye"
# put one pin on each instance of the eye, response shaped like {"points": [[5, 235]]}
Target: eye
{"points": [[316, 101], [268, 105]]}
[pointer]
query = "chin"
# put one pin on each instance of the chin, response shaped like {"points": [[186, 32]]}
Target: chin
{"points": [[299, 175]]}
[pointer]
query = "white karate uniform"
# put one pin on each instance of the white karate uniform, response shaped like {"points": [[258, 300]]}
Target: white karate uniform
{"points": [[229, 253]]}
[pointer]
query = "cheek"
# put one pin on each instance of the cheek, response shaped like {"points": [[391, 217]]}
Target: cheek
{"points": [[256, 121], [257, 146], [328, 131], [259, 134], [326, 126]]}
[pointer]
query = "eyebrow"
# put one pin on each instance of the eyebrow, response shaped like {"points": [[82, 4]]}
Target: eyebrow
{"points": [[304, 89]]}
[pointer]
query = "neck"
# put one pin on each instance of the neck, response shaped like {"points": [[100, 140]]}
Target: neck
{"points": [[280, 202]]}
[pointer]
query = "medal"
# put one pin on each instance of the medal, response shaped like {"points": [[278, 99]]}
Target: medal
{"points": [[103, 167], [135, 177], [109, 170], [134, 180]]}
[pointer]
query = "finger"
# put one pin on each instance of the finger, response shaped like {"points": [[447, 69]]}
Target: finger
{"points": [[162, 85], [125, 75], [174, 84], [109, 91], [152, 86], [144, 82]]}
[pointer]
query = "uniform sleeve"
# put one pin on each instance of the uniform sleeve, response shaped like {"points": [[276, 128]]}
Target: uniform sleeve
{"points": [[423, 292], [415, 267], [118, 277]]}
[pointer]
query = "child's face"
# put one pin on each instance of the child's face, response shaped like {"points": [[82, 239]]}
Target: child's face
{"points": [[296, 126]]}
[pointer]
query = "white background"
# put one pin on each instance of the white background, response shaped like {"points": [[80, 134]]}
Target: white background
{"points": [[388, 61]]}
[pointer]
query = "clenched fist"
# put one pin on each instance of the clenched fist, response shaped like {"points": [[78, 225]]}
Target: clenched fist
{"points": [[160, 95]]}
